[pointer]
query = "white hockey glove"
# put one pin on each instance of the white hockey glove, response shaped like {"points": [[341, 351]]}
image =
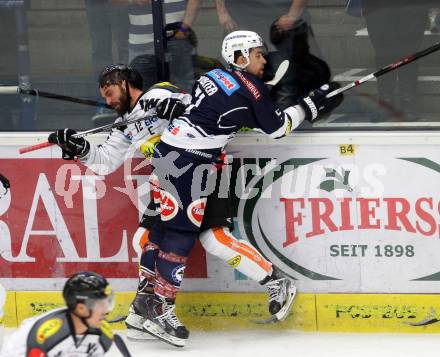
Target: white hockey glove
{"points": [[170, 108], [316, 103], [71, 146]]}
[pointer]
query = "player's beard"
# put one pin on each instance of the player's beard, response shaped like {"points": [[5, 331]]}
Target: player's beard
{"points": [[124, 103]]}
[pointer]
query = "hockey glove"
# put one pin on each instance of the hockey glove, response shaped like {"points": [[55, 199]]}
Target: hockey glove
{"points": [[70, 145], [170, 108], [316, 103], [5, 183]]}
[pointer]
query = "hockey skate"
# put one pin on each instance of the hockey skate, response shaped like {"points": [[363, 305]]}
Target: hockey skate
{"points": [[163, 323], [282, 293], [137, 314]]}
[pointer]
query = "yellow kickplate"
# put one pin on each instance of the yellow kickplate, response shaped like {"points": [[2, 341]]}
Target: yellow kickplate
{"points": [[10, 317], [32, 303], [377, 312], [231, 311]]}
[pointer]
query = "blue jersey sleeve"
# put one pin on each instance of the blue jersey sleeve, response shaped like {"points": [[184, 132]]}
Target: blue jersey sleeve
{"points": [[267, 117]]}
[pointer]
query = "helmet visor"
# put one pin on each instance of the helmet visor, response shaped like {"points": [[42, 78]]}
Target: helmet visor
{"points": [[104, 305]]}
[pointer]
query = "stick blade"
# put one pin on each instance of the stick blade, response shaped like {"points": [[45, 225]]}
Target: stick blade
{"points": [[120, 344], [279, 74]]}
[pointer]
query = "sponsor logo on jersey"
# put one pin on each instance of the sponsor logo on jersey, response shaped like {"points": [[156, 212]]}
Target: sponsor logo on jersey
{"points": [[168, 206], [154, 182], [196, 210], [235, 261], [36, 352], [224, 80], [48, 329], [173, 129], [249, 85], [177, 273]]}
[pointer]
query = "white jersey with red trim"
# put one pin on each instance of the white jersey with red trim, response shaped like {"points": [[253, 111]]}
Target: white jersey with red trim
{"points": [[222, 103], [124, 141]]}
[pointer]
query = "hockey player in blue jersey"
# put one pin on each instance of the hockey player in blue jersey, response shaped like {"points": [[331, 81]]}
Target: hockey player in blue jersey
{"points": [[121, 87], [223, 102]]}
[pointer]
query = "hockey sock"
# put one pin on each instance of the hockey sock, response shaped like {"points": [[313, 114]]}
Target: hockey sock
{"points": [[239, 254]]}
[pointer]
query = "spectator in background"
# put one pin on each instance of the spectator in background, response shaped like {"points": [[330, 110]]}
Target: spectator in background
{"points": [[434, 20], [396, 29], [305, 72], [292, 37], [107, 20], [224, 17], [258, 15], [179, 18]]}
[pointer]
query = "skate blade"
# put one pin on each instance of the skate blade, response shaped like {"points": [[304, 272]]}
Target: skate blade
{"points": [[284, 311], [156, 331], [117, 319], [134, 321], [139, 336]]}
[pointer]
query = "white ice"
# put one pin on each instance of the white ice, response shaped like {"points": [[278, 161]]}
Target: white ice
{"points": [[288, 344]]}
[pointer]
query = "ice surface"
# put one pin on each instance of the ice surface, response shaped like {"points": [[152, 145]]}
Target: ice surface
{"points": [[287, 344]]}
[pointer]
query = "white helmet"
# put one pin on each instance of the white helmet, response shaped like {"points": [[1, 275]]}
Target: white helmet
{"points": [[240, 41]]}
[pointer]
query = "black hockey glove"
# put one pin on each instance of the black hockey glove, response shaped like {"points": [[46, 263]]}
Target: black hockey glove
{"points": [[71, 146], [170, 108], [316, 103]]}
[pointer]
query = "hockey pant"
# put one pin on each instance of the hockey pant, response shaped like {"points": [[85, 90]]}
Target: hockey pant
{"points": [[181, 182]]}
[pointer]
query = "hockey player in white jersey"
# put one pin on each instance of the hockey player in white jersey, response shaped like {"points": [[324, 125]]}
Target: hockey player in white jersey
{"points": [[79, 330], [121, 87]]}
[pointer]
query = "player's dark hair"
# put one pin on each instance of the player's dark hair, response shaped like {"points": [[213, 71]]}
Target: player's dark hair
{"points": [[117, 73]]}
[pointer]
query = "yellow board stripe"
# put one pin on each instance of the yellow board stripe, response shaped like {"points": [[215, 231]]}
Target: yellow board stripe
{"points": [[377, 312], [10, 317], [234, 311]]}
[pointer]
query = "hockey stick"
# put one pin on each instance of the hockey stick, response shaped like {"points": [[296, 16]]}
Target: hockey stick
{"points": [[425, 322], [117, 319], [38, 93], [279, 74], [386, 69], [120, 344], [82, 134]]}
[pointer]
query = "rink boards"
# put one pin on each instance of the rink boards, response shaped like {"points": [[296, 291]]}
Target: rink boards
{"points": [[238, 311], [354, 218]]}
